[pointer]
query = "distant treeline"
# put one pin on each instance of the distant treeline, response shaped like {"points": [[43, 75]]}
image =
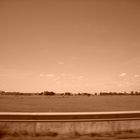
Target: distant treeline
{"points": [[51, 93]]}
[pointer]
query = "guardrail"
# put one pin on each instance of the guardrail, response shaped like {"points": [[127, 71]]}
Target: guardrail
{"points": [[69, 116]]}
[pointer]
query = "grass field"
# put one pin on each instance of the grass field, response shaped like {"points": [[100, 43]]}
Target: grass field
{"points": [[69, 104]]}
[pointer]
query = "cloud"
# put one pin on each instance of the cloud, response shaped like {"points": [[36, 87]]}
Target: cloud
{"points": [[61, 63], [122, 74], [47, 75], [136, 75]]}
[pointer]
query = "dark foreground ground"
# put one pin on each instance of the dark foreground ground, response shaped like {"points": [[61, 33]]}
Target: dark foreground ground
{"points": [[123, 137]]}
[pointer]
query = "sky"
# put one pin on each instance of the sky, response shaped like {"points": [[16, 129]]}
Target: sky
{"points": [[69, 45]]}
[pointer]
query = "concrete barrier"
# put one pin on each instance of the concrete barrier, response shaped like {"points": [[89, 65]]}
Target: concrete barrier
{"points": [[96, 123]]}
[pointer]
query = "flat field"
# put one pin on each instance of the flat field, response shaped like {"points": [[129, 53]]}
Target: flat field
{"points": [[68, 104]]}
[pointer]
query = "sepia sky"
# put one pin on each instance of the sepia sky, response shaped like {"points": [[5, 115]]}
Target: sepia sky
{"points": [[69, 45]]}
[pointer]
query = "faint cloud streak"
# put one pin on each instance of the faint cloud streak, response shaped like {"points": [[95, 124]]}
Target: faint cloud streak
{"points": [[123, 74], [136, 75], [47, 75], [61, 63]]}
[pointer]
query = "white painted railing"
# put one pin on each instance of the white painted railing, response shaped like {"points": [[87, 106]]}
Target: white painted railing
{"points": [[69, 116]]}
